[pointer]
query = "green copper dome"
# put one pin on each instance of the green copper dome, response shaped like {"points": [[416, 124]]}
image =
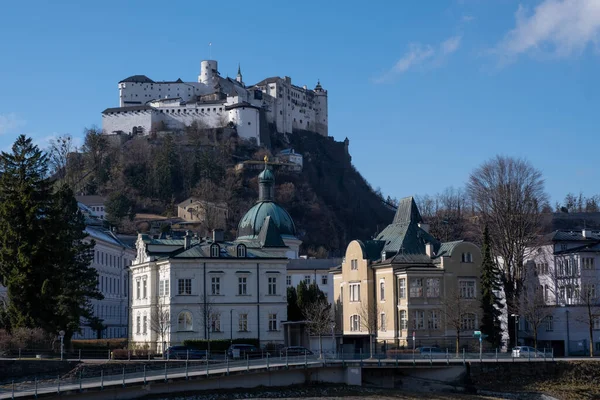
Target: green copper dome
{"points": [[266, 175], [251, 224]]}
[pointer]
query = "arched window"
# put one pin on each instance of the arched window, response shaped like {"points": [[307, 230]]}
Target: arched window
{"points": [[184, 321], [241, 250], [215, 250], [355, 323]]}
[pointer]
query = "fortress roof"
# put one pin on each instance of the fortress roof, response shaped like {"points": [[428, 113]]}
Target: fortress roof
{"points": [[272, 79], [138, 79], [125, 109]]}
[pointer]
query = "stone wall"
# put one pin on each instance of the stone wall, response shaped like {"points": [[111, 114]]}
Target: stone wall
{"points": [[17, 369]]}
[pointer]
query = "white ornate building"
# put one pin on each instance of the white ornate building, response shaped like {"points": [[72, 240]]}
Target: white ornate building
{"points": [[208, 288], [146, 105]]}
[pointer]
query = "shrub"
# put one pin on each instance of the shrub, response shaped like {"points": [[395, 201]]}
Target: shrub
{"points": [[99, 344], [25, 338], [218, 345]]}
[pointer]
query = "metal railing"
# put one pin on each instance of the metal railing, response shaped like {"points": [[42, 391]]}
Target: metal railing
{"points": [[114, 374]]}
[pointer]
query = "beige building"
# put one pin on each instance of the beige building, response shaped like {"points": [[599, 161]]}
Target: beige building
{"points": [[406, 284], [213, 215]]}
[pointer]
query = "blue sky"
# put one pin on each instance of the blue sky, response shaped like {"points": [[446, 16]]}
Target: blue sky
{"points": [[425, 91]]}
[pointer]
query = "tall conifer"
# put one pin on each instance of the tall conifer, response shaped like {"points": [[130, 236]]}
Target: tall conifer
{"points": [[490, 303]]}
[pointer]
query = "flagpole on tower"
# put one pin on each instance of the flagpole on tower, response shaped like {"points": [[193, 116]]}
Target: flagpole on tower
{"points": [[209, 50]]}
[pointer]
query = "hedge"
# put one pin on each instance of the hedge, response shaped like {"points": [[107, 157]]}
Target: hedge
{"points": [[99, 344], [218, 345]]}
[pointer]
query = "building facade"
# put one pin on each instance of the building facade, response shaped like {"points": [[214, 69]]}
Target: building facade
{"points": [[209, 288], [406, 288], [313, 271], [94, 203], [565, 272], [211, 214], [148, 106]]}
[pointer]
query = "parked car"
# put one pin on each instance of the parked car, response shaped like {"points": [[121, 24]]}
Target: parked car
{"points": [[431, 352], [245, 350], [184, 353], [292, 351], [527, 352]]}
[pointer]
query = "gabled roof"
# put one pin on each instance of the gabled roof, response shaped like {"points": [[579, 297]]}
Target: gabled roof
{"points": [[137, 79], [266, 81], [407, 212], [269, 235]]}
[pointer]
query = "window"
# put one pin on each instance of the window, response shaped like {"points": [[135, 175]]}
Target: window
{"points": [[215, 250], [215, 285], [433, 287], [272, 285], [288, 280], [416, 287], [324, 279], [241, 250], [145, 325], [382, 290], [215, 322], [467, 289], [355, 323], [434, 320], [243, 322], [184, 321], [242, 282], [596, 323], [561, 293], [353, 264], [589, 293], [145, 288], [403, 319], [167, 287], [382, 323], [402, 288], [468, 322], [163, 287], [138, 324], [587, 263], [419, 319], [138, 291], [549, 320], [546, 292], [354, 292], [467, 258], [184, 287], [307, 279], [272, 322]]}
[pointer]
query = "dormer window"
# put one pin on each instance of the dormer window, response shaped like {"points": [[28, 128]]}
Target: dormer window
{"points": [[215, 250], [241, 250], [467, 258]]}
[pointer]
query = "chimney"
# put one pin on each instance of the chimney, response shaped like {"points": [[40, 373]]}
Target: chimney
{"points": [[587, 233], [218, 235], [423, 226], [187, 240], [429, 249]]}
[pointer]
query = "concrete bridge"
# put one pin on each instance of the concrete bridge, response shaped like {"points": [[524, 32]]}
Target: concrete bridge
{"points": [[436, 374]]}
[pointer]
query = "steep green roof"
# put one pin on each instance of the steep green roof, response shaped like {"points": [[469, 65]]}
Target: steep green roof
{"points": [[407, 212]]}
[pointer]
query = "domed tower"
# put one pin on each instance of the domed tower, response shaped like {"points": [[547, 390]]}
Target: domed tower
{"points": [[208, 72], [266, 211]]}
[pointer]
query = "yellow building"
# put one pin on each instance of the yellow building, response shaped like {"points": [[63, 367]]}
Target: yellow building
{"points": [[404, 283]]}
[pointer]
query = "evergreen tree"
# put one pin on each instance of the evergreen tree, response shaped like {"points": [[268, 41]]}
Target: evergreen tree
{"points": [[490, 303], [25, 235], [293, 311], [44, 256], [75, 282]]}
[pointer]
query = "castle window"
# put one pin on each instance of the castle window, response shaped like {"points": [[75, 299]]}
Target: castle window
{"points": [[215, 250], [241, 250], [249, 123]]}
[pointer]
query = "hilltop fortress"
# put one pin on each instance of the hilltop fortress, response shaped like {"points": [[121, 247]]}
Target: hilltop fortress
{"points": [[147, 106]]}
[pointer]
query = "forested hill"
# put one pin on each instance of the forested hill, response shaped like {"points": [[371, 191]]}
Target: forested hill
{"points": [[329, 200]]}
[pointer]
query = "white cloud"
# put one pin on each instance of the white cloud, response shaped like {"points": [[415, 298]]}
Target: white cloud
{"points": [[9, 122], [556, 27], [419, 54]]}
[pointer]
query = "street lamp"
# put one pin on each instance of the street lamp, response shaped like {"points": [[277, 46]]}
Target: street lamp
{"points": [[61, 334], [231, 326], [516, 317]]}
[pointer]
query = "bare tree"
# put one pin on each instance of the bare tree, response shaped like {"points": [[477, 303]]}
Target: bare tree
{"points": [[446, 213], [160, 320], [320, 320], [208, 313], [532, 305], [589, 312], [369, 320], [460, 313], [58, 151], [509, 194]]}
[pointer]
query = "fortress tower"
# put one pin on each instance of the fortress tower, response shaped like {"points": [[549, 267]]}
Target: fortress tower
{"points": [[208, 72]]}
